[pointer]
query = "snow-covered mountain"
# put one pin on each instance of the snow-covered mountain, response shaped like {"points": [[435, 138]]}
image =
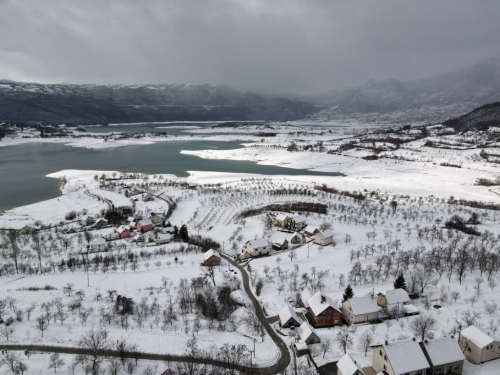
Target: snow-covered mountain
{"points": [[98, 104], [481, 118], [461, 91]]}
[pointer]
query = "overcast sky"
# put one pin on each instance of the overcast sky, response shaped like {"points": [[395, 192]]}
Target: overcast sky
{"points": [[297, 46]]}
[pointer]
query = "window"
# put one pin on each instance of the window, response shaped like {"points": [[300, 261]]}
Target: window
{"points": [[439, 369], [385, 357], [380, 351], [469, 350], [419, 372], [457, 366], [385, 368]]}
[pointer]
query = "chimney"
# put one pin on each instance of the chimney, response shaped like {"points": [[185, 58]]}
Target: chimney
{"points": [[323, 299], [413, 338], [452, 337], [386, 342]]}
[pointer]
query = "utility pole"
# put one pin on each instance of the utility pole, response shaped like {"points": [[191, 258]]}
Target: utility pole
{"points": [[254, 339], [308, 246]]}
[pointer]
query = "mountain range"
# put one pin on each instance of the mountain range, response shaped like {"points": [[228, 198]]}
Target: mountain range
{"points": [[434, 99]]}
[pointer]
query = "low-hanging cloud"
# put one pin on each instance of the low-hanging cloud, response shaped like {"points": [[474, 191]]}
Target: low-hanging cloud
{"points": [[298, 46]]}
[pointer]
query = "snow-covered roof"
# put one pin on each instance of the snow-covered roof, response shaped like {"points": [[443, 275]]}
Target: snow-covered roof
{"points": [[310, 229], [306, 331], [347, 366], [396, 296], [258, 243], [169, 229], [410, 309], [363, 305], [145, 222], [406, 356], [478, 336], [210, 253], [98, 241], [304, 296], [296, 235], [281, 217], [164, 236], [286, 313], [320, 302], [279, 237], [299, 218], [122, 228], [301, 345], [443, 351], [326, 233]]}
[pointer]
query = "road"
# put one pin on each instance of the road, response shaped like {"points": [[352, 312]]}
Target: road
{"points": [[282, 363], [285, 358]]}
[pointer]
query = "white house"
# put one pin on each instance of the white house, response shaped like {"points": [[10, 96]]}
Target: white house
{"points": [[400, 357], [360, 310], [323, 237], [98, 244], [444, 355], [259, 246], [393, 297], [281, 220], [348, 366], [297, 222], [478, 345], [296, 239], [310, 231], [288, 317], [163, 238]]}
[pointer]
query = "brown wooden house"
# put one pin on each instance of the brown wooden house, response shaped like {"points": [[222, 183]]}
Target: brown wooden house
{"points": [[323, 311]]}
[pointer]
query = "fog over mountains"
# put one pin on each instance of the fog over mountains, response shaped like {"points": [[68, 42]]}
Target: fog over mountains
{"points": [[432, 99]]}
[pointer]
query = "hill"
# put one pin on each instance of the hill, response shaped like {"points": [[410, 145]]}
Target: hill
{"points": [[101, 104], [481, 118]]}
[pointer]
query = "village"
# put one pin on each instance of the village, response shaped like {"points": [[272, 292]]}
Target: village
{"points": [[348, 284]]}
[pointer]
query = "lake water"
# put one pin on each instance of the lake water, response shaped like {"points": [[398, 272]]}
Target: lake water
{"points": [[23, 168]]}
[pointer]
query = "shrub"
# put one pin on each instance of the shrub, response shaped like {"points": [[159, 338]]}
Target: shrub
{"points": [[70, 215]]}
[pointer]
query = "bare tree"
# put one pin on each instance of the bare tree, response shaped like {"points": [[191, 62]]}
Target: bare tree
{"points": [[14, 363], [55, 361], [490, 308], [42, 324], [423, 326], [326, 345], [344, 339], [6, 332], [365, 340], [94, 341]]}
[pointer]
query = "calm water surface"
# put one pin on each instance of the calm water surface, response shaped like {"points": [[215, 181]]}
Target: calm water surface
{"points": [[23, 168]]}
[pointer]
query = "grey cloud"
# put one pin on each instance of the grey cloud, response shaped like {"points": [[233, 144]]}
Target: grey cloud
{"points": [[299, 46]]}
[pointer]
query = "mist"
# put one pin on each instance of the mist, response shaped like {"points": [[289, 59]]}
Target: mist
{"points": [[287, 46]]}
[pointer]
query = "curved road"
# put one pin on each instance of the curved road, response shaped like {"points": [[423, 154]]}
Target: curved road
{"points": [[282, 363], [285, 358]]}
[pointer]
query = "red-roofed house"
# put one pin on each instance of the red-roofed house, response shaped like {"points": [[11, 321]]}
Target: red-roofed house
{"points": [[144, 226]]}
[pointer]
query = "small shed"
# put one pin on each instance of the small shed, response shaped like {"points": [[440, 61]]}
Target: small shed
{"points": [[163, 238], [308, 334], [301, 348], [288, 317], [348, 366]]}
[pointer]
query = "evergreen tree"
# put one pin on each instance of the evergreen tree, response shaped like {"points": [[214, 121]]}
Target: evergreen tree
{"points": [[400, 282], [176, 232], [183, 233], [348, 293]]}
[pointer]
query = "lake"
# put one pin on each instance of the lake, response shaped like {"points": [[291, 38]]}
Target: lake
{"points": [[23, 168]]}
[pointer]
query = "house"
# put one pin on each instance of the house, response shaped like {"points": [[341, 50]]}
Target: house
{"points": [[97, 244], [100, 223], [163, 238], [308, 334], [296, 239], [170, 230], [323, 311], [444, 355], [138, 238], [297, 222], [69, 230], [360, 310], [211, 258], [279, 241], [259, 246], [144, 226], [393, 297], [348, 366], [281, 220], [400, 357], [192, 185], [478, 345], [310, 231], [157, 218], [288, 317], [304, 296], [123, 231], [147, 198], [323, 237]]}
